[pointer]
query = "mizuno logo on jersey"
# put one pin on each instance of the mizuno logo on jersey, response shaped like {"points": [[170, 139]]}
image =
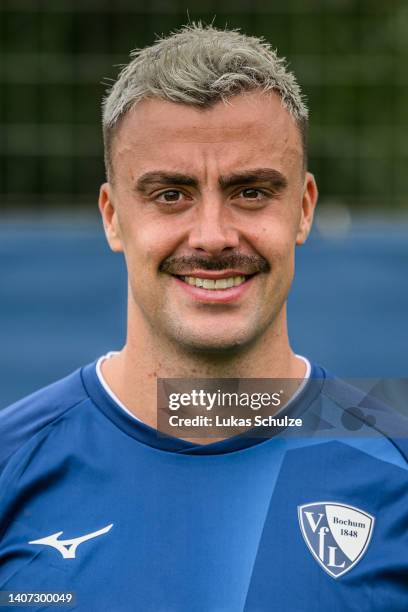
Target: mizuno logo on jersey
{"points": [[336, 534], [68, 548]]}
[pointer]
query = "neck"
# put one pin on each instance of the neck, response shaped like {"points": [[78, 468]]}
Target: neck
{"points": [[132, 374]]}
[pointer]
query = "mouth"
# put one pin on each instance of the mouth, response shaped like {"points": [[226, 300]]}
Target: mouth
{"points": [[207, 287], [216, 284]]}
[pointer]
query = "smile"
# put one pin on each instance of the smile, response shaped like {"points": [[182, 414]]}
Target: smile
{"points": [[218, 284], [231, 288]]}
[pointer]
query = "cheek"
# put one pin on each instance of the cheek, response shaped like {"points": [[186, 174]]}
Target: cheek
{"points": [[148, 243], [275, 242]]}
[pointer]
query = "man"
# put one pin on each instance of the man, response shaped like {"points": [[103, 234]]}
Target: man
{"points": [[208, 194]]}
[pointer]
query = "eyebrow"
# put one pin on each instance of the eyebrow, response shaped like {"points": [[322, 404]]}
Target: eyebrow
{"points": [[258, 175], [164, 178], [246, 177]]}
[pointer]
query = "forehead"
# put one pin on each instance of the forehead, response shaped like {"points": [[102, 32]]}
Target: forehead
{"points": [[247, 128]]}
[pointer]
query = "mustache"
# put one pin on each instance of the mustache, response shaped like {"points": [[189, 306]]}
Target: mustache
{"points": [[248, 264]]}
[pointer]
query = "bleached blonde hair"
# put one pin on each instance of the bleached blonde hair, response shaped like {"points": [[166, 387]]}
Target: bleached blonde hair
{"points": [[199, 65]]}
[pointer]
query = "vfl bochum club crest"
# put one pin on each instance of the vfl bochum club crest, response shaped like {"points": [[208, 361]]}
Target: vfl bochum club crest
{"points": [[337, 535]]}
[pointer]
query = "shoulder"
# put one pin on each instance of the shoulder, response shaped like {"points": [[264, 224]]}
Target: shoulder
{"points": [[23, 420], [371, 409]]}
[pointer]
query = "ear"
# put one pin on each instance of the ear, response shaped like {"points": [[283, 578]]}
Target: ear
{"points": [[310, 195], [110, 218]]}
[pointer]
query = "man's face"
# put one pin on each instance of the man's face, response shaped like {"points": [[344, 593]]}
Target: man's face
{"points": [[207, 206]]}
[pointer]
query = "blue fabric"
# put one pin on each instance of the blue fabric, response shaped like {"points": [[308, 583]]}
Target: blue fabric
{"points": [[210, 528]]}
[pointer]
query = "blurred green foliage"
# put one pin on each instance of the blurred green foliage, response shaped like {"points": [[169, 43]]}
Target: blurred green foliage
{"points": [[349, 55]]}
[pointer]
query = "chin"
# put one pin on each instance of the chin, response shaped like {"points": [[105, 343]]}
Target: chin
{"points": [[213, 343]]}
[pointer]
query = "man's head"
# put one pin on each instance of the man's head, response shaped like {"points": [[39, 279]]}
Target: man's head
{"points": [[205, 150]]}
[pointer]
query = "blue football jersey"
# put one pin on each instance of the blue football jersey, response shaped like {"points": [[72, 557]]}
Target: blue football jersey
{"points": [[93, 502]]}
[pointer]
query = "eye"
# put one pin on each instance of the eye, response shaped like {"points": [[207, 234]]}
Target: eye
{"points": [[252, 194], [169, 196]]}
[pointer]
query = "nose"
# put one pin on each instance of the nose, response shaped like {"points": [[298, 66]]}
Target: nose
{"points": [[213, 230]]}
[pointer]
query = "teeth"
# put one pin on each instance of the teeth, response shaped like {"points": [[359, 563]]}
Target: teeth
{"points": [[220, 283], [208, 284]]}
